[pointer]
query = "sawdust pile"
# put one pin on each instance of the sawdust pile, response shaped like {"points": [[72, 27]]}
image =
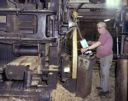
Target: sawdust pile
{"points": [[62, 94]]}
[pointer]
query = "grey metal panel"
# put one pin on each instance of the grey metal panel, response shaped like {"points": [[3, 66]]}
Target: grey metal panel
{"points": [[6, 54], [41, 26], [84, 76]]}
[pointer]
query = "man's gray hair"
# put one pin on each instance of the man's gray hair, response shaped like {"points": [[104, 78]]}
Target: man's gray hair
{"points": [[101, 24]]}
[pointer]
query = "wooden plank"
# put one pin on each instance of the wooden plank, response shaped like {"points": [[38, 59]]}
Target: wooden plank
{"points": [[75, 54]]}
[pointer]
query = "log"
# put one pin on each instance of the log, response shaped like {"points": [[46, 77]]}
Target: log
{"points": [[33, 62]]}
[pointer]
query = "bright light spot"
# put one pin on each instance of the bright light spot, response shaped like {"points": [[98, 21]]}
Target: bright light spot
{"points": [[113, 3], [107, 20]]}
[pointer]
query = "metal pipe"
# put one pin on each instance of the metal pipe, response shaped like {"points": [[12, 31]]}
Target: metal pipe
{"points": [[26, 50]]}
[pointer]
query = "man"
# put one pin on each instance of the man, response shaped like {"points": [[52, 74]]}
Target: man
{"points": [[104, 52]]}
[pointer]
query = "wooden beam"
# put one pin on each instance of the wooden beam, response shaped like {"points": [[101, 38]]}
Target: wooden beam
{"points": [[74, 54]]}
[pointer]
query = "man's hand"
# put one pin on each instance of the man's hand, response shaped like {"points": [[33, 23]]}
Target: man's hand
{"points": [[84, 50]]}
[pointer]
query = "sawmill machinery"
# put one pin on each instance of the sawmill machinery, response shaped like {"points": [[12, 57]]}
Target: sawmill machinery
{"points": [[29, 28], [33, 28], [35, 32]]}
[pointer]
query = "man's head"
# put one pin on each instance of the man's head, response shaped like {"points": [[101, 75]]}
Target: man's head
{"points": [[101, 26]]}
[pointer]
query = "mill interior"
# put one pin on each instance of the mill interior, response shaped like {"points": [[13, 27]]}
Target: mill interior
{"points": [[40, 50]]}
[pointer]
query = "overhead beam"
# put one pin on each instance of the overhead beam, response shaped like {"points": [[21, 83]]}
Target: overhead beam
{"points": [[96, 18], [97, 14], [87, 6]]}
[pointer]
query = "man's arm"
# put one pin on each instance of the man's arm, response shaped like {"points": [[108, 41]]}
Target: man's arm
{"points": [[91, 42], [93, 46]]}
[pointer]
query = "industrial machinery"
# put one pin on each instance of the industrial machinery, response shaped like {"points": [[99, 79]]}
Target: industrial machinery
{"points": [[34, 32], [29, 29]]}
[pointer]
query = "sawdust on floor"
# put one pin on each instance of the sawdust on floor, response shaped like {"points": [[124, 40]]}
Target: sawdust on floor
{"points": [[62, 94]]}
